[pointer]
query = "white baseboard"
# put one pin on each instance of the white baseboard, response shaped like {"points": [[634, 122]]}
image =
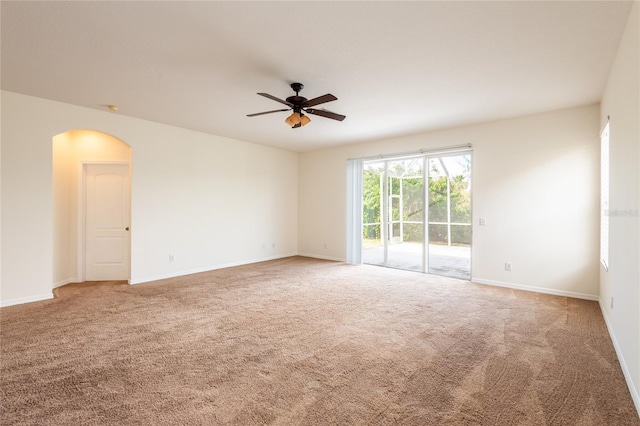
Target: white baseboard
{"points": [[318, 256], [536, 289], [21, 300], [206, 269], [65, 282], [623, 364]]}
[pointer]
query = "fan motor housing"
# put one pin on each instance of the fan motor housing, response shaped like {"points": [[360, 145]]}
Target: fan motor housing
{"points": [[296, 100]]}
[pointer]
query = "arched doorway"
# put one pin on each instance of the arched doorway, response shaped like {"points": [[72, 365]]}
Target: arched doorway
{"points": [[87, 160]]}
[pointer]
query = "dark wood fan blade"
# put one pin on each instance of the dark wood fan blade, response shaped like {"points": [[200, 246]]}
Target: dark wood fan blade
{"points": [[327, 114], [319, 100], [267, 112], [273, 98]]}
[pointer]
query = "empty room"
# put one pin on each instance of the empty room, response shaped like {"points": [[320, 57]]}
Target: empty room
{"points": [[320, 213]]}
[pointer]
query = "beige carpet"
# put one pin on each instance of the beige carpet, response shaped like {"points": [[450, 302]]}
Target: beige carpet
{"points": [[307, 342]]}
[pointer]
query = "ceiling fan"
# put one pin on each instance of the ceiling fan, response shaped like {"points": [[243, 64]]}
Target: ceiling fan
{"points": [[301, 105]]}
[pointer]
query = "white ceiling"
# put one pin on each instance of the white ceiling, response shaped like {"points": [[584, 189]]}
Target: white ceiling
{"points": [[396, 67]]}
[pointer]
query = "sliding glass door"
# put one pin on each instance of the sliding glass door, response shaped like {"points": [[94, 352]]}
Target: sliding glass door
{"points": [[396, 205], [393, 213], [405, 216], [449, 216], [373, 229]]}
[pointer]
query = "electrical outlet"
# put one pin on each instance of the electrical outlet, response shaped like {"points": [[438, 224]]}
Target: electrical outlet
{"points": [[507, 266], [325, 246], [170, 258], [612, 303], [273, 245], [483, 221]]}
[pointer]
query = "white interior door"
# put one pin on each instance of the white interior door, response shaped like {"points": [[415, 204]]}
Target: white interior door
{"points": [[107, 216]]}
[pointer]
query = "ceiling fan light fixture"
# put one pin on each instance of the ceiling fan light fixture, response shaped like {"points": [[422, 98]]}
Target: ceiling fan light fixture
{"points": [[293, 119], [304, 120], [289, 121]]}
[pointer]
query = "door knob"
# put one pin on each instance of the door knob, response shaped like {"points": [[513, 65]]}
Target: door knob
{"points": [[126, 229]]}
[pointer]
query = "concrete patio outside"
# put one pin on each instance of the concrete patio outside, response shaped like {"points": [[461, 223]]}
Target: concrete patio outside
{"points": [[450, 261]]}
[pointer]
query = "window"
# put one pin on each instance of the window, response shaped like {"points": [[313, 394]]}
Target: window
{"points": [[604, 197]]}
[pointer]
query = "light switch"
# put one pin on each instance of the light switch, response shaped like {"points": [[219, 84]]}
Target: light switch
{"points": [[483, 221]]}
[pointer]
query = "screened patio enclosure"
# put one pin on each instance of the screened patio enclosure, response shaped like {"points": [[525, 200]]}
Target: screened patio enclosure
{"points": [[396, 205]]}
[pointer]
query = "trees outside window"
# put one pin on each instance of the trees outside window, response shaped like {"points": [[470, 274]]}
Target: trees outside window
{"points": [[449, 198]]}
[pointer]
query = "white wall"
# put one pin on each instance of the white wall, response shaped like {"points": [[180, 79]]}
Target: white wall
{"points": [[210, 201], [70, 150], [621, 101], [535, 180]]}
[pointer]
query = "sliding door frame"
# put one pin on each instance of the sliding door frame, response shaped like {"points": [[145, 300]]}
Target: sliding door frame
{"points": [[426, 155]]}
